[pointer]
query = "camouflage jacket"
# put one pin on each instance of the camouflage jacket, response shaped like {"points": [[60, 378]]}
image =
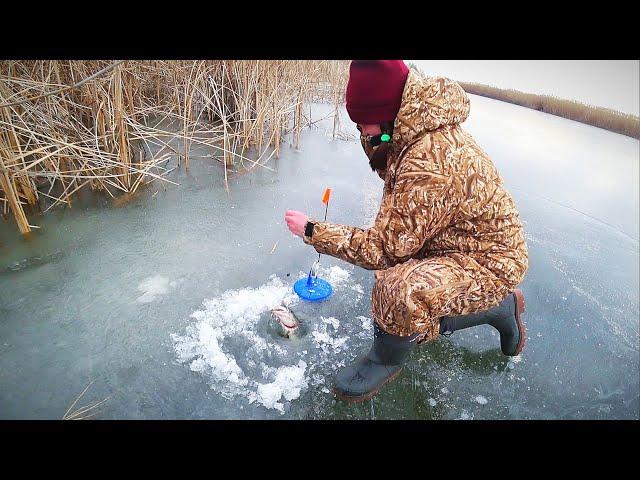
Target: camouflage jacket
{"points": [[442, 193]]}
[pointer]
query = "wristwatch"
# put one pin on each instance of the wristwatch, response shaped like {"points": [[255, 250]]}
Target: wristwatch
{"points": [[308, 229]]}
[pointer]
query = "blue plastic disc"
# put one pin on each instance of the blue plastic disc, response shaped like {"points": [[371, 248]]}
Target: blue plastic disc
{"points": [[313, 289]]}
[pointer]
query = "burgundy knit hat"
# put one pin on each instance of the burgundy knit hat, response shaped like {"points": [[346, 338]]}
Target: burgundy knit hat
{"points": [[374, 91]]}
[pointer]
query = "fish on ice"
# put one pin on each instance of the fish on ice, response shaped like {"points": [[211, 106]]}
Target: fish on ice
{"points": [[287, 321]]}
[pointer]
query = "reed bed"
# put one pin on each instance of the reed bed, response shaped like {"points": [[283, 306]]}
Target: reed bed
{"points": [[606, 118], [114, 126]]}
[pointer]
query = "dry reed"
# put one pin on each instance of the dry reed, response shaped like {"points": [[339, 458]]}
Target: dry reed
{"points": [[72, 125], [84, 412]]}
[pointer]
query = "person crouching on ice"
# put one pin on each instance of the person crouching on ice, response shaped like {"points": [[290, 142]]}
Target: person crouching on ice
{"points": [[447, 246]]}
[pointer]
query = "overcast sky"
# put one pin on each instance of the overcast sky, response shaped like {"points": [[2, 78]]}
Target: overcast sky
{"points": [[603, 83]]}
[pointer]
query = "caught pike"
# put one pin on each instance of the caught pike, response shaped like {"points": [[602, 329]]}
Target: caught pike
{"points": [[287, 321]]}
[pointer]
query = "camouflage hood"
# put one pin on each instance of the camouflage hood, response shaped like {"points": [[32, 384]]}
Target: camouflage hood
{"points": [[428, 103]]}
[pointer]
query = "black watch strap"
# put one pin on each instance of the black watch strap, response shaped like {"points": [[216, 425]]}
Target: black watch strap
{"points": [[308, 229]]}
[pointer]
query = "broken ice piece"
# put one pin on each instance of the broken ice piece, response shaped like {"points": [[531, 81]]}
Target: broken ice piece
{"points": [[480, 399]]}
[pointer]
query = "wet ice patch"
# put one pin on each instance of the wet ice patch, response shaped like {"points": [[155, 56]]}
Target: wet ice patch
{"points": [[153, 288]]}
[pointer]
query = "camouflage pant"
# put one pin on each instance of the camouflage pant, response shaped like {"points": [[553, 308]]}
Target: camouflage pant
{"points": [[411, 297]]}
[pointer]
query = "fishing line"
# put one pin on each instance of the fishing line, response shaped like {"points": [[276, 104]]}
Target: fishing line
{"points": [[313, 288], [326, 208]]}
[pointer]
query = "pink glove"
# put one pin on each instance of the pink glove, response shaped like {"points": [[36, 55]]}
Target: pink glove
{"points": [[296, 221]]}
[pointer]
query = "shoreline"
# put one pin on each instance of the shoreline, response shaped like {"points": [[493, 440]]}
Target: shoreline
{"points": [[605, 118]]}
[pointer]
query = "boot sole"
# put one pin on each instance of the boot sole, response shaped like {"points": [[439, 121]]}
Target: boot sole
{"points": [[368, 395], [522, 328]]}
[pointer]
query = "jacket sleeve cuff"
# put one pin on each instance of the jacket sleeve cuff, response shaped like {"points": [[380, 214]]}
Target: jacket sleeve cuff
{"points": [[309, 239]]}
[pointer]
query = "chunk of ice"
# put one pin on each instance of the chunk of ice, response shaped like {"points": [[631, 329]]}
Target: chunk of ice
{"points": [[465, 416], [152, 288], [367, 323], [331, 321], [288, 384]]}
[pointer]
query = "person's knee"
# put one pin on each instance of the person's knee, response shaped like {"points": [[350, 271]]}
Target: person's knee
{"points": [[391, 302]]}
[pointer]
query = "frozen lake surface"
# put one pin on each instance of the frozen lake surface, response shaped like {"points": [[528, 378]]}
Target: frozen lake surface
{"points": [[163, 303]]}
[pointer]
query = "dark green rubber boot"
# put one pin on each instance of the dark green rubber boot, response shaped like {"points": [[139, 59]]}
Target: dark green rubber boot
{"points": [[382, 364], [506, 318]]}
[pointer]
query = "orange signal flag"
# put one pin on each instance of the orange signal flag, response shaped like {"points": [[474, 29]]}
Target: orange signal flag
{"points": [[325, 197]]}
